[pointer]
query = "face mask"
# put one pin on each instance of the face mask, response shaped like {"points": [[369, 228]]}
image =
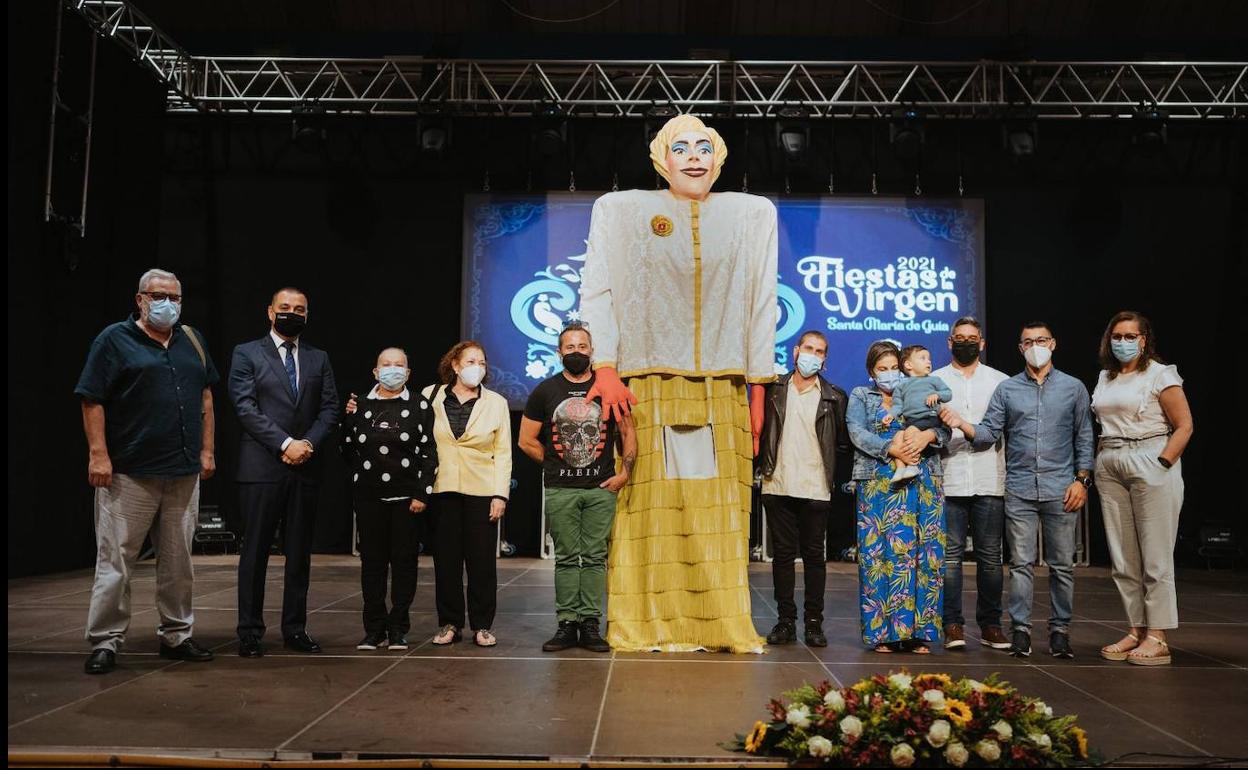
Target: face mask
{"points": [[965, 352], [576, 363], [163, 314], [392, 377], [886, 381], [1124, 351], [289, 324], [808, 364], [472, 375], [1038, 356]]}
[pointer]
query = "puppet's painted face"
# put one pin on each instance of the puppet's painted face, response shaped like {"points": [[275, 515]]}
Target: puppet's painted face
{"points": [[691, 165]]}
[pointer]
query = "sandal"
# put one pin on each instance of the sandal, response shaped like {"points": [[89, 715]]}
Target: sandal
{"points": [[1116, 651], [483, 638], [920, 649], [448, 635], [885, 647], [1159, 658]]}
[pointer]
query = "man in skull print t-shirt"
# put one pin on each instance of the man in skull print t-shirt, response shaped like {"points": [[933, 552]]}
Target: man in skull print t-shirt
{"points": [[574, 440], [579, 440]]}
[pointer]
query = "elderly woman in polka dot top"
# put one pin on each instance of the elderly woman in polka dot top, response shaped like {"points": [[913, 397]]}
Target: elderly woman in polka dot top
{"points": [[388, 444]]}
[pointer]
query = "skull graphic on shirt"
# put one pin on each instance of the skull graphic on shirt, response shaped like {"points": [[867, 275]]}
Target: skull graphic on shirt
{"points": [[577, 431]]}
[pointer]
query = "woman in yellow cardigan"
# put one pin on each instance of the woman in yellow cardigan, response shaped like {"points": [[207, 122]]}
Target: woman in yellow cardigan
{"points": [[472, 428]]}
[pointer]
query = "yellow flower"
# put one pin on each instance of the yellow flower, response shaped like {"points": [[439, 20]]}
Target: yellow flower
{"points": [[1081, 738], [754, 740], [994, 690], [942, 678], [958, 712], [898, 706], [863, 686]]}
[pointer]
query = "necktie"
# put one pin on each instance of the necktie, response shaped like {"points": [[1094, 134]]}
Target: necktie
{"points": [[290, 368]]}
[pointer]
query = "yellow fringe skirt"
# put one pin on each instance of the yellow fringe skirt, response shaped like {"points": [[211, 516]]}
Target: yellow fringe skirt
{"points": [[677, 578]]}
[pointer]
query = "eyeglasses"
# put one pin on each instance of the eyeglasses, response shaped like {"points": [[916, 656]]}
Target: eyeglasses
{"points": [[1125, 337], [1028, 342], [962, 338], [160, 296]]}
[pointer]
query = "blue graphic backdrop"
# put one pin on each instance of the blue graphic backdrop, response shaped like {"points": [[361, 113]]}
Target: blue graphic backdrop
{"points": [[857, 269]]}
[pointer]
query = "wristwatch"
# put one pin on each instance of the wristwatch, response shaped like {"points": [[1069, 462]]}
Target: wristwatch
{"points": [[1164, 462], [1086, 481]]}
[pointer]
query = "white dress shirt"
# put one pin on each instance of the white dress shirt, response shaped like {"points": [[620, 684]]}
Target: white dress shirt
{"points": [[281, 353], [969, 472]]}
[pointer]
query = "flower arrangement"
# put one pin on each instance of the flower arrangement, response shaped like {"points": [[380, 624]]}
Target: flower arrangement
{"points": [[928, 720]]}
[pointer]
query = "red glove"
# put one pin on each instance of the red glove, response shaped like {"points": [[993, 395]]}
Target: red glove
{"points": [[617, 399], [756, 413]]}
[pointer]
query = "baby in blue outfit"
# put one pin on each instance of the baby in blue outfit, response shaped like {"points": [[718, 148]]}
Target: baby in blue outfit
{"points": [[915, 399]]}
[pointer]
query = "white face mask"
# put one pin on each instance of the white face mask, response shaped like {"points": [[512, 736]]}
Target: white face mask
{"points": [[472, 375], [1038, 356]]}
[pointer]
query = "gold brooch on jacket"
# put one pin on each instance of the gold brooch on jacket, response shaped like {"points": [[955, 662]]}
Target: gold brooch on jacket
{"points": [[661, 226]]}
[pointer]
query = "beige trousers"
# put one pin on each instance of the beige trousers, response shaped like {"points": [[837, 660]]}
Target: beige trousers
{"points": [[1140, 502], [124, 513]]}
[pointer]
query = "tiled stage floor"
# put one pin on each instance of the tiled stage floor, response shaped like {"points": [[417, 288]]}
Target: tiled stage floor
{"points": [[513, 701]]}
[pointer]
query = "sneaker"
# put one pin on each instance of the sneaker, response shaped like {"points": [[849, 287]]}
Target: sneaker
{"points": [[814, 635], [1021, 646], [565, 637], [850, 554], [1059, 645], [591, 639], [397, 641], [955, 639], [992, 637], [782, 633], [905, 473], [373, 641]]}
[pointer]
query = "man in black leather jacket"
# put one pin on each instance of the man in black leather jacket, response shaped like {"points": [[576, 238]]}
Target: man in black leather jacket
{"points": [[803, 433]]}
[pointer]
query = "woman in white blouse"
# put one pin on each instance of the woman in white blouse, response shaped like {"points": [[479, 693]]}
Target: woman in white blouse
{"points": [[1145, 426]]}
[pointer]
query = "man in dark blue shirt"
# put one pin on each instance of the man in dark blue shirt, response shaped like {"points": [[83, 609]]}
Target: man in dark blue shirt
{"points": [[1045, 417], [147, 412]]}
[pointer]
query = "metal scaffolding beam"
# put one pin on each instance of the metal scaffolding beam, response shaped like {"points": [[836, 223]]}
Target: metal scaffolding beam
{"points": [[746, 89]]}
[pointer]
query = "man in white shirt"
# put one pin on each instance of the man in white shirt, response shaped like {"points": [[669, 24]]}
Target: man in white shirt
{"points": [[974, 492]]}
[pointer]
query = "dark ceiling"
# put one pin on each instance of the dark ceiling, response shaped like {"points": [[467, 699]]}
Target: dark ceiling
{"points": [[773, 29]]}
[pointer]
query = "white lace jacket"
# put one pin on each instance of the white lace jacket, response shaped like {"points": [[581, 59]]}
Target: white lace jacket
{"points": [[681, 287]]}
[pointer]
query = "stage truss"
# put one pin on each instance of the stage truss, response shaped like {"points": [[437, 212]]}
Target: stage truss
{"points": [[614, 89]]}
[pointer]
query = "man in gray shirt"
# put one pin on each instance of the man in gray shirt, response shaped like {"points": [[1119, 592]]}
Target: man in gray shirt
{"points": [[1045, 418]]}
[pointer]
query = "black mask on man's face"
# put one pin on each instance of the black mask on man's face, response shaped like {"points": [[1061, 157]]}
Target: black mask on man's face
{"points": [[289, 324], [576, 363], [965, 352]]}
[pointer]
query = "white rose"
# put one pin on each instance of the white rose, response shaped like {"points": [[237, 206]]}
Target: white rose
{"points": [[935, 699], [1042, 740], [902, 755], [938, 733], [819, 746], [798, 716], [988, 750], [976, 685], [956, 754], [900, 681], [1003, 730], [1042, 708], [851, 726], [834, 701]]}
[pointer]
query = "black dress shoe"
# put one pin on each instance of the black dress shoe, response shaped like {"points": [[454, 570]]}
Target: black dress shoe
{"points": [[250, 647], [188, 650], [1059, 645], [301, 642], [782, 633], [815, 636], [101, 661]]}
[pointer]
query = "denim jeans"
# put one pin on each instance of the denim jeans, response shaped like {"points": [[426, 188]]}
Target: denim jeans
{"points": [[1024, 518], [985, 516]]}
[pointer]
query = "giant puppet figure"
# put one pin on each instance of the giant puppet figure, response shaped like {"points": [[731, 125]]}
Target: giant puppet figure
{"points": [[679, 291]]}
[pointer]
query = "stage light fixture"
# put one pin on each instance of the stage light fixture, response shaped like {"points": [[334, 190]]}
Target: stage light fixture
{"points": [[550, 130], [435, 136], [1020, 138], [307, 126], [906, 133], [666, 111], [1150, 129]]}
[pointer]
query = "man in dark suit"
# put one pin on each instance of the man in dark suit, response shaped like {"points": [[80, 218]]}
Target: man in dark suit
{"points": [[283, 390]]}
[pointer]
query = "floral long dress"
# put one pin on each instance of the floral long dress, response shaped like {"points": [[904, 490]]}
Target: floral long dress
{"points": [[901, 552]]}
